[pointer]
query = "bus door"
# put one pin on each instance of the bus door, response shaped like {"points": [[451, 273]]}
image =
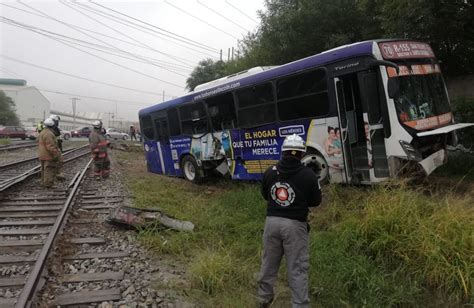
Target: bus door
{"points": [[351, 124], [372, 98], [163, 146]]}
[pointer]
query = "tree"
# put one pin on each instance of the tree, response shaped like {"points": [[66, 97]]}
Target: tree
{"points": [[7, 110], [206, 70], [448, 25], [294, 29]]}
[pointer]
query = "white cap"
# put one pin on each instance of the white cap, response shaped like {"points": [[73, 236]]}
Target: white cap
{"points": [[294, 143], [48, 122], [97, 124]]}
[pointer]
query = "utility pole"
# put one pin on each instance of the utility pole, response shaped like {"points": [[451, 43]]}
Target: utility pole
{"points": [[163, 96], [232, 54], [116, 112], [228, 54], [221, 55], [74, 99], [109, 113]]}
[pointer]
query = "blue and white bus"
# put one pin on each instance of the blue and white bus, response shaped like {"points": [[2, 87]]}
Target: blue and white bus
{"points": [[368, 111]]}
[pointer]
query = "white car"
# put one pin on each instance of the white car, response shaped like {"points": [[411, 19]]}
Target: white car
{"points": [[65, 134], [113, 133]]}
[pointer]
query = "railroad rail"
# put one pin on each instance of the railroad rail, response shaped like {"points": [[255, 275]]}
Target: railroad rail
{"points": [[16, 172], [43, 229], [18, 146]]}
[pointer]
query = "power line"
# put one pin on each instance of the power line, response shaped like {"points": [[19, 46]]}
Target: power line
{"points": [[201, 20], [138, 27], [102, 34], [10, 72], [99, 57], [171, 67], [98, 98], [161, 29], [61, 22], [217, 13], [178, 59], [241, 12], [75, 76]]}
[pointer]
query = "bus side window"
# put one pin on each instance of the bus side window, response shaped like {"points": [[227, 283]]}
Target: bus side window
{"points": [[147, 128], [173, 120], [193, 118], [303, 96], [221, 111], [256, 105]]}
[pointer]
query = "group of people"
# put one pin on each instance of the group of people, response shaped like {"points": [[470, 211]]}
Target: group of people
{"points": [[290, 189], [50, 151]]}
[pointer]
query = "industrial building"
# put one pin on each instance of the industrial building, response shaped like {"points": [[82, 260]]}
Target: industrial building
{"points": [[31, 105]]}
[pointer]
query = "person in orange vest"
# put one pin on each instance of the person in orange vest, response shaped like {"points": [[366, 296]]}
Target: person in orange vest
{"points": [[49, 154], [98, 144]]}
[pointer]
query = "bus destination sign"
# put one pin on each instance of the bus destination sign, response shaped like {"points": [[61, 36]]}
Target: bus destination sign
{"points": [[405, 50]]}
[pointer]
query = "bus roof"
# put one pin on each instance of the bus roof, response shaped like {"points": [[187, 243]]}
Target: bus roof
{"points": [[329, 56]]}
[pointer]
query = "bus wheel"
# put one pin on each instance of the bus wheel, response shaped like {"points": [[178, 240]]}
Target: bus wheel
{"points": [[191, 170], [317, 162]]}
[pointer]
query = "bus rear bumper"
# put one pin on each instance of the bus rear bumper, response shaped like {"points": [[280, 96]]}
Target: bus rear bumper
{"points": [[433, 161]]}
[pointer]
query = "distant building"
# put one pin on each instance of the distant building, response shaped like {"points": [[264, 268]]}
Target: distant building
{"points": [[31, 106]]}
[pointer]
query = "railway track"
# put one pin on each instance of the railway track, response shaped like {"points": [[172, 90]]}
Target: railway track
{"points": [[16, 172], [46, 237], [18, 146]]}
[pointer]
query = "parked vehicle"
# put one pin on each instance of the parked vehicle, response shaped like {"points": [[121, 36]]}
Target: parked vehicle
{"points": [[113, 133], [65, 134], [12, 132], [31, 133], [81, 132]]}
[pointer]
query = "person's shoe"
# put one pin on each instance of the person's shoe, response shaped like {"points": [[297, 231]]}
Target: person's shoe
{"points": [[97, 178]]}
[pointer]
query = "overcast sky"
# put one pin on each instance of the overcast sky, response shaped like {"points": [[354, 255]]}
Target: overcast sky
{"points": [[156, 61]]}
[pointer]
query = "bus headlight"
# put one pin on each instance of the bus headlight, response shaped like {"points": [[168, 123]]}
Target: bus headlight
{"points": [[410, 151]]}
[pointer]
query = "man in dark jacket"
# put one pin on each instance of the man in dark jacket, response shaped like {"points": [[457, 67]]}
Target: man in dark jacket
{"points": [[290, 188]]}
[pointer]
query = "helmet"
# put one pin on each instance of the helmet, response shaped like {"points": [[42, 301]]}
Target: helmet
{"points": [[97, 124], [49, 122], [294, 143], [54, 117]]}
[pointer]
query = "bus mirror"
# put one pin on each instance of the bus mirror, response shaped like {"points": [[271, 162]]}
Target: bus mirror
{"points": [[386, 63], [393, 87]]}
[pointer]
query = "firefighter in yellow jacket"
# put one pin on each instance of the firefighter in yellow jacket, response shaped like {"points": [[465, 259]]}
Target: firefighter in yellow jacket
{"points": [[98, 144], [49, 154]]}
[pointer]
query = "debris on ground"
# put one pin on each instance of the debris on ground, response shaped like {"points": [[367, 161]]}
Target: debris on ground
{"points": [[136, 218]]}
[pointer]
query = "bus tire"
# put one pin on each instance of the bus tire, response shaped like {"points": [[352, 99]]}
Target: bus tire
{"points": [[191, 171], [317, 162]]}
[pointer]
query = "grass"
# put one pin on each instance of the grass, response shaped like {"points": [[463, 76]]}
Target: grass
{"points": [[5, 141], [386, 246]]}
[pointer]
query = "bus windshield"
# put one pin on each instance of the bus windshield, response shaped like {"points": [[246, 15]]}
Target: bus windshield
{"points": [[422, 101]]}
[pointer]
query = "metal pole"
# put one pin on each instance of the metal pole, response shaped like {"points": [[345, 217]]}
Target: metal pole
{"points": [[74, 99]]}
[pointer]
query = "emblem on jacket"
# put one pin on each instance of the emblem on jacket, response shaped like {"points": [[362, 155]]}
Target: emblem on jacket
{"points": [[282, 193]]}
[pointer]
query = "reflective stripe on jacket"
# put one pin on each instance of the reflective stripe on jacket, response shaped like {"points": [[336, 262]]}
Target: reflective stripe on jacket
{"points": [[98, 144]]}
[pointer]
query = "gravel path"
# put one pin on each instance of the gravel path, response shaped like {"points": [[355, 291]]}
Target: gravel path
{"points": [[145, 279]]}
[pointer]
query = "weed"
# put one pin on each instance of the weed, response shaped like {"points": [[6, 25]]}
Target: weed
{"points": [[5, 141], [390, 245]]}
